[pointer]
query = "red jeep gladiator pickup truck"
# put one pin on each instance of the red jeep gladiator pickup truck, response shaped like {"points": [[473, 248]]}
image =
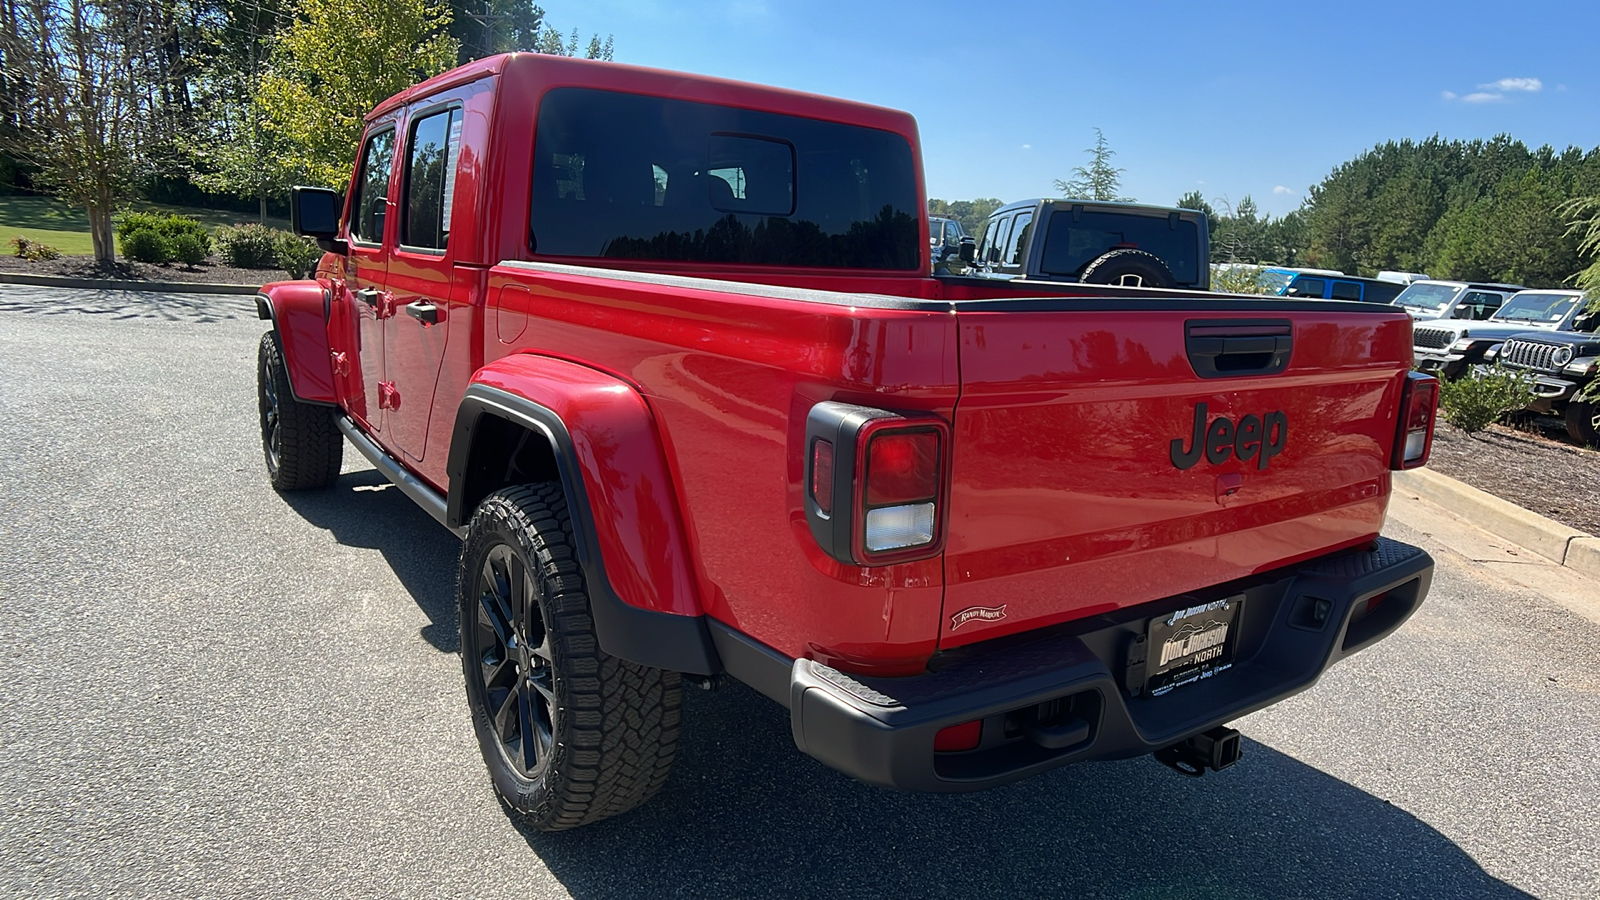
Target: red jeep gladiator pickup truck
{"points": [[663, 350]]}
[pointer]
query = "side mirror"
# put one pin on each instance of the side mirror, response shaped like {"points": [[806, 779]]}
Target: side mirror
{"points": [[969, 250], [314, 213], [1464, 312]]}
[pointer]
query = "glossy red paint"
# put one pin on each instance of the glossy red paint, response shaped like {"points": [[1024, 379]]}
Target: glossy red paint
{"points": [[616, 439], [730, 378], [297, 311], [1065, 499]]}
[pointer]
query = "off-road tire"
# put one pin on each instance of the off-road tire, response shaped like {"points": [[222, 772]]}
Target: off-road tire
{"points": [[1118, 266], [1583, 422], [612, 725], [300, 442]]}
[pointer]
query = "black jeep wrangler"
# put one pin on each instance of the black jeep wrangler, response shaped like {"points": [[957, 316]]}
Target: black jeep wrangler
{"points": [[1564, 366]]}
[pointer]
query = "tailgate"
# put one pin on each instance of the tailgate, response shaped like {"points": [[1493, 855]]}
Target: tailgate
{"points": [[1078, 488]]}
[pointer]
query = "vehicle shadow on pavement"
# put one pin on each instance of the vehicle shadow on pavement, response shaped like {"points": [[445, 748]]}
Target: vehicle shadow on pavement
{"points": [[362, 509], [119, 304], [746, 814]]}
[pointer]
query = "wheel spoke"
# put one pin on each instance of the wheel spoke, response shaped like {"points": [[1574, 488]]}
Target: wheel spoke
{"points": [[530, 740], [506, 725], [492, 615]]}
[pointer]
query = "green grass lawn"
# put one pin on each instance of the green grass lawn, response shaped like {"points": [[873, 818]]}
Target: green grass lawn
{"points": [[67, 229]]}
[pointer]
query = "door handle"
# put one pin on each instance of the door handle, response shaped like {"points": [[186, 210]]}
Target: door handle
{"points": [[426, 313], [368, 295]]}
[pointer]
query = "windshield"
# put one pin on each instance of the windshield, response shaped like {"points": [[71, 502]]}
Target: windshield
{"points": [[1533, 306], [1274, 280], [1430, 297]]}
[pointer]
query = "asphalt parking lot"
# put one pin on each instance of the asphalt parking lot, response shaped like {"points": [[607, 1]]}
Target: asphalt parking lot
{"points": [[211, 690]]}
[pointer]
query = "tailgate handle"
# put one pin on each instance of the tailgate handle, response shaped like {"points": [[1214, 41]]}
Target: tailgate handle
{"points": [[1224, 348]]}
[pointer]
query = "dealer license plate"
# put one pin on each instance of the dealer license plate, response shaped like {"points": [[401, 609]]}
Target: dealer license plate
{"points": [[1191, 644]]}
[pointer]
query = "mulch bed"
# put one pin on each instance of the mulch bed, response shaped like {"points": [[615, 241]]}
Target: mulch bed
{"points": [[212, 271], [1533, 469]]}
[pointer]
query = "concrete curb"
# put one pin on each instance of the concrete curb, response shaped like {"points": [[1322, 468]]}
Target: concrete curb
{"points": [[1562, 544], [104, 284]]}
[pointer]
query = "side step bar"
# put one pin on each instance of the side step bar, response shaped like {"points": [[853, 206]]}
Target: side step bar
{"points": [[409, 484]]}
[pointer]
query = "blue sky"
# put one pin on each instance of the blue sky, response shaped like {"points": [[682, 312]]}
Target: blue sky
{"points": [[1231, 98]]}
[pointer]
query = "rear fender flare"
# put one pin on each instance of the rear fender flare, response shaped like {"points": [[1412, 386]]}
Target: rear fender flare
{"points": [[610, 461], [298, 311]]}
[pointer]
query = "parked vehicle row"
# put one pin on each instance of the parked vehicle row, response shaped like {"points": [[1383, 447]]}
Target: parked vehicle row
{"points": [[1449, 349]]}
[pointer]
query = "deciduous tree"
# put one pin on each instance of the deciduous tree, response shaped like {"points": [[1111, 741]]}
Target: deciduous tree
{"points": [[335, 63]]}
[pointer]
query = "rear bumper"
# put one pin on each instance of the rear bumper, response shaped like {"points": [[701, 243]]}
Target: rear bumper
{"points": [[1077, 683]]}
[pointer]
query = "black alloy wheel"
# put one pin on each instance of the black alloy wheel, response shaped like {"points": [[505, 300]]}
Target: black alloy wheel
{"points": [[570, 735], [516, 672], [1583, 422]]}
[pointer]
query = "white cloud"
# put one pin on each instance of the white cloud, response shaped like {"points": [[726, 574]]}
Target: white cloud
{"points": [[1483, 97], [1531, 85], [1448, 95], [1280, 189], [1027, 146]]}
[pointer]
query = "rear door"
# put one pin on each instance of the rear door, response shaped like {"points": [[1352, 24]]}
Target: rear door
{"points": [[1109, 453], [371, 230]]}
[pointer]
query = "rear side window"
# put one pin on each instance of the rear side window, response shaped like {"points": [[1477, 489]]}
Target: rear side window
{"points": [[431, 179], [1074, 239], [372, 188], [629, 177], [1307, 287], [1018, 240], [1345, 290]]}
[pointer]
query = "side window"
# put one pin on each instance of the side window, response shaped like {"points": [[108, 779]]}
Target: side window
{"points": [[1307, 287], [1346, 290], [1018, 241], [372, 189], [952, 233], [431, 179], [995, 240], [1479, 305]]}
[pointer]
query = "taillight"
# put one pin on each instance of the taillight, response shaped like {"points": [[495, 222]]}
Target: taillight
{"points": [[902, 490], [1418, 403], [875, 483]]}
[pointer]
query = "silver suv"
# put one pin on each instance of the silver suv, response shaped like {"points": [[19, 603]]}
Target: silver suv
{"points": [[1434, 299]]}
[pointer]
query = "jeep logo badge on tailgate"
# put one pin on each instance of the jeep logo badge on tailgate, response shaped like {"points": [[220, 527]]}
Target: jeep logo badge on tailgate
{"points": [[1252, 438]]}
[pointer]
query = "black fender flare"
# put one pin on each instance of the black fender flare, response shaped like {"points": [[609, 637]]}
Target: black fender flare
{"points": [[662, 640]]}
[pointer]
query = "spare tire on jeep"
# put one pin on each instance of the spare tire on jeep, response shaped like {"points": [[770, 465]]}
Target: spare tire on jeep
{"points": [[1130, 268]]}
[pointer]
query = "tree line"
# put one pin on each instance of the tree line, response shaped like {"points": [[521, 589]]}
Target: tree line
{"points": [[1481, 210], [193, 101]]}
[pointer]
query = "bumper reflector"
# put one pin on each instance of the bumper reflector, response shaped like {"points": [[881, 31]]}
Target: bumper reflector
{"points": [[957, 738], [894, 527]]}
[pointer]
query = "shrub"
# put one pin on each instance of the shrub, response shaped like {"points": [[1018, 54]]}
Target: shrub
{"points": [[248, 246], [169, 229], [190, 249], [35, 251], [146, 245], [1472, 402], [297, 255]]}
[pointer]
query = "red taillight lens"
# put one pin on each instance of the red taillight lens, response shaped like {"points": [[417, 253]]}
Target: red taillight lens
{"points": [[822, 476], [1418, 403], [958, 737], [902, 467]]}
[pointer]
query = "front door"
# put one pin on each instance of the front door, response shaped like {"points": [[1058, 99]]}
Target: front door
{"points": [[361, 368], [420, 273]]}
